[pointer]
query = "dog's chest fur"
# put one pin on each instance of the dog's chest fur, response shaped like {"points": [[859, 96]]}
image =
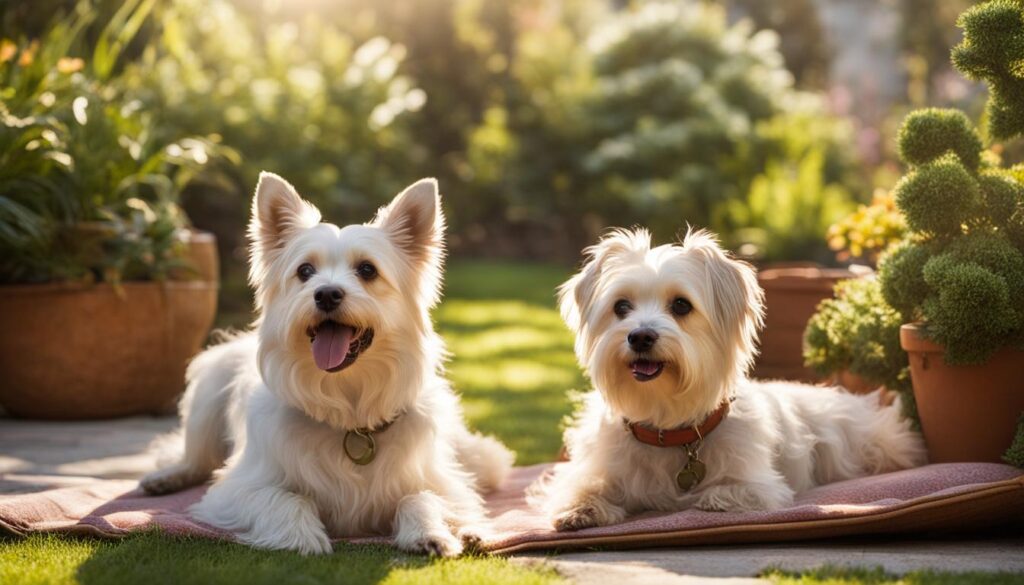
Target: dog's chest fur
{"points": [[352, 498]]}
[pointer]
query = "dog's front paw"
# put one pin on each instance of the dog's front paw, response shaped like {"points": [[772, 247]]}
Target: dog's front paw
{"points": [[306, 540], [576, 519], [472, 540], [440, 544], [170, 479]]}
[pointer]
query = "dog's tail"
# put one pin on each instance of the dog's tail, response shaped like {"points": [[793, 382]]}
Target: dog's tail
{"points": [[485, 457], [891, 441]]}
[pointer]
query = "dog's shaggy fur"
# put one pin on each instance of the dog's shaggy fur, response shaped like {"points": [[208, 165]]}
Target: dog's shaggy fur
{"points": [[778, 439], [278, 415]]}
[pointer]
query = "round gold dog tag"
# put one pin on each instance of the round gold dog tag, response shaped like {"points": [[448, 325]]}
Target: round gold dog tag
{"points": [[360, 447], [691, 474]]}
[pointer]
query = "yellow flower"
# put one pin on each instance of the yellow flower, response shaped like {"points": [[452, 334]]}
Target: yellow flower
{"points": [[29, 54], [70, 64], [7, 50]]}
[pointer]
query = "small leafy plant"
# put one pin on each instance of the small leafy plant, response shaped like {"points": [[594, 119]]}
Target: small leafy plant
{"points": [[856, 331]]}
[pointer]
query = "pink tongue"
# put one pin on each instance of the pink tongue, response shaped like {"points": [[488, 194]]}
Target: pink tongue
{"points": [[330, 346], [645, 367]]}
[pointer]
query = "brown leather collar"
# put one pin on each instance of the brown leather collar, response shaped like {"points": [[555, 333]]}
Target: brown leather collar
{"points": [[678, 436], [379, 428]]}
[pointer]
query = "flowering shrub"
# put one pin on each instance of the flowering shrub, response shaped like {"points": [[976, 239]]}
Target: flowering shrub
{"points": [[868, 231]]}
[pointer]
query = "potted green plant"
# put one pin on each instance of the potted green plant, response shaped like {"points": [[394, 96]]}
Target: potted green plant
{"points": [[104, 291], [958, 279], [854, 339]]}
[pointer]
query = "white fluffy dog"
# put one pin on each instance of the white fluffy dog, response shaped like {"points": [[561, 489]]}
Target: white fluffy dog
{"points": [[334, 411], [667, 335]]}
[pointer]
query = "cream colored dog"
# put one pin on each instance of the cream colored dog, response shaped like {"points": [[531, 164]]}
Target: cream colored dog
{"points": [[667, 335], [334, 411]]}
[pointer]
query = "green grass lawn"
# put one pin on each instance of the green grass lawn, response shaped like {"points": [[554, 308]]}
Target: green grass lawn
{"points": [[512, 356], [513, 363]]}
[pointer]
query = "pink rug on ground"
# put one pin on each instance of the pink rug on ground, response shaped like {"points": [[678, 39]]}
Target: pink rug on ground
{"points": [[946, 497]]}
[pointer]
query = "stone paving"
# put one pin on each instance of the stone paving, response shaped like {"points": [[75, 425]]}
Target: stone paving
{"points": [[37, 455]]}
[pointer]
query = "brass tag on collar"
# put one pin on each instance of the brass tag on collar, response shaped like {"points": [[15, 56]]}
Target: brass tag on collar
{"points": [[691, 474], [360, 447], [694, 470]]}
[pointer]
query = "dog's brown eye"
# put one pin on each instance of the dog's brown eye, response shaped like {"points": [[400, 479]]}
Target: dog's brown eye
{"points": [[366, 271], [622, 308], [681, 306], [306, 271]]}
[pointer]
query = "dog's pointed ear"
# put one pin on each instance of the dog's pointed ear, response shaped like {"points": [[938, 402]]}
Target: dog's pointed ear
{"points": [[576, 296], [277, 214], [414, 221], [737, 296]]}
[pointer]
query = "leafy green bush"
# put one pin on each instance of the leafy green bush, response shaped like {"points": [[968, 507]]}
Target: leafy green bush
{"points": [[664, 114], [87, 188], [962, 270], [857, 331], [302, 99], [696, 119]]}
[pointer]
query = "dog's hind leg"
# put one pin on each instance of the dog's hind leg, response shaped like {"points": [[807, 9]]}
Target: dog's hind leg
{"points": [[204, 426]]}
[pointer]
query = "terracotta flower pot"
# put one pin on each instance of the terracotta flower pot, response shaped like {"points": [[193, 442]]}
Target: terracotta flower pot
{"points": [[791, 297], [73, 351], [968, 413], [852, 382]]}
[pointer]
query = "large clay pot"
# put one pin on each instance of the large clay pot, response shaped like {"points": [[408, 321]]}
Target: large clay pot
{"points": [[791, 297], [968, 413], [74, 351]]}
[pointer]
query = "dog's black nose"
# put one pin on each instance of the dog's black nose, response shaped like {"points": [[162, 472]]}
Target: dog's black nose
{"points": [[328, 297], [642, 339]]}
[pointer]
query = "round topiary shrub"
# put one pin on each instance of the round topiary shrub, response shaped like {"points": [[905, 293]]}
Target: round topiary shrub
{"points": [[901, 273], [969, 312], [962, 272], [992, 51], [930, 133], [939, 197], [1001, 195]]}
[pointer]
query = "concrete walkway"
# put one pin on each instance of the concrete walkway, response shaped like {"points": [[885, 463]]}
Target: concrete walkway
{"points": [[38, 455]]}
